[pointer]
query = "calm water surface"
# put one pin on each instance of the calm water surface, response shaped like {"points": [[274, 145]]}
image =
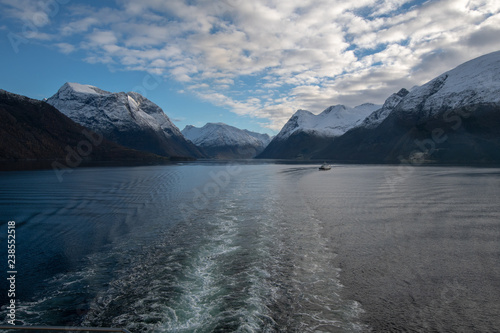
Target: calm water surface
{"points": [[256, 247]]}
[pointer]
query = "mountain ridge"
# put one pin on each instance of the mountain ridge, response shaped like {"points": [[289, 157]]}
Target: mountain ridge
{"points": [[38, 135], [126, 118], [305, 132], [223, 141], [453, 118]]}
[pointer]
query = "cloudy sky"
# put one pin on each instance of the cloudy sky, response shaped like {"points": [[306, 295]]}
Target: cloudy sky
{"points": [[251, 64]]}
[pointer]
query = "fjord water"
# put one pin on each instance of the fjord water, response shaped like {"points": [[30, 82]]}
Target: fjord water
{"points": [[257, 247]]}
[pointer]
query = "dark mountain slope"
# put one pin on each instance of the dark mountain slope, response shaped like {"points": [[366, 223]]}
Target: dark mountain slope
{"points": [[454, 118], [32, 130], [128, 119]]}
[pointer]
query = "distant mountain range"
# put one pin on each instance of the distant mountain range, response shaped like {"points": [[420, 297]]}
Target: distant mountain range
{"points": [[454, 118], [36, 132], [126, 118], [222, 141], [40, 132], [306, 133]]}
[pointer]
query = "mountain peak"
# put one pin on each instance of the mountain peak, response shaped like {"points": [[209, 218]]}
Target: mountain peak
{"points": [[462, 105], [332, 122], [220, 140], [471, 83], [302, 112], [129, 119], [219, 133], [334, 108], [83, 89], [378, 116], [25, 118], [402, 92]]}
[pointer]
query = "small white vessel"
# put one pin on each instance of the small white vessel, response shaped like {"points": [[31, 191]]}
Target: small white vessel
{"points": [[325, 167]]}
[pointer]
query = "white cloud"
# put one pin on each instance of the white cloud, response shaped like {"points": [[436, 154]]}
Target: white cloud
{"points": [[312, 53], [66, 48], [29, 11], [100, 38]]}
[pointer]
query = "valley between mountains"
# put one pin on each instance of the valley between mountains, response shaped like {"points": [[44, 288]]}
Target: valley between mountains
{"points": [[454, 118]]}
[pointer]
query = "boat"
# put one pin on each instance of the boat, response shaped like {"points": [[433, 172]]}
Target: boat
{"points": [[325, 167]]}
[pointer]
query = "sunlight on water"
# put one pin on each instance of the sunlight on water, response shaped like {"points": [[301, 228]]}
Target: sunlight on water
{"points": [[256, 248]]}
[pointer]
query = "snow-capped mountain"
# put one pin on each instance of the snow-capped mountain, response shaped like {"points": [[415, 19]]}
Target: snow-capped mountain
{"points": [[264, 138], [38, 135], [454, 118], [378, 116], [126, 118], [304, 133], [474, 82], [219, 140], [332, 122]]}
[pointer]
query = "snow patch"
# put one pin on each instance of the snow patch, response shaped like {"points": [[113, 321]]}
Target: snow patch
{"points": [[378, 116], [132, 103], [220, 134], [84, 88], [332, 122], [474, 82], [108, 111]]}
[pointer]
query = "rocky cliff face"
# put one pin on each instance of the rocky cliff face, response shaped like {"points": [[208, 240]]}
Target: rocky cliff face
{"points": [[454, 118], [36, 132], [126, 118]]}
